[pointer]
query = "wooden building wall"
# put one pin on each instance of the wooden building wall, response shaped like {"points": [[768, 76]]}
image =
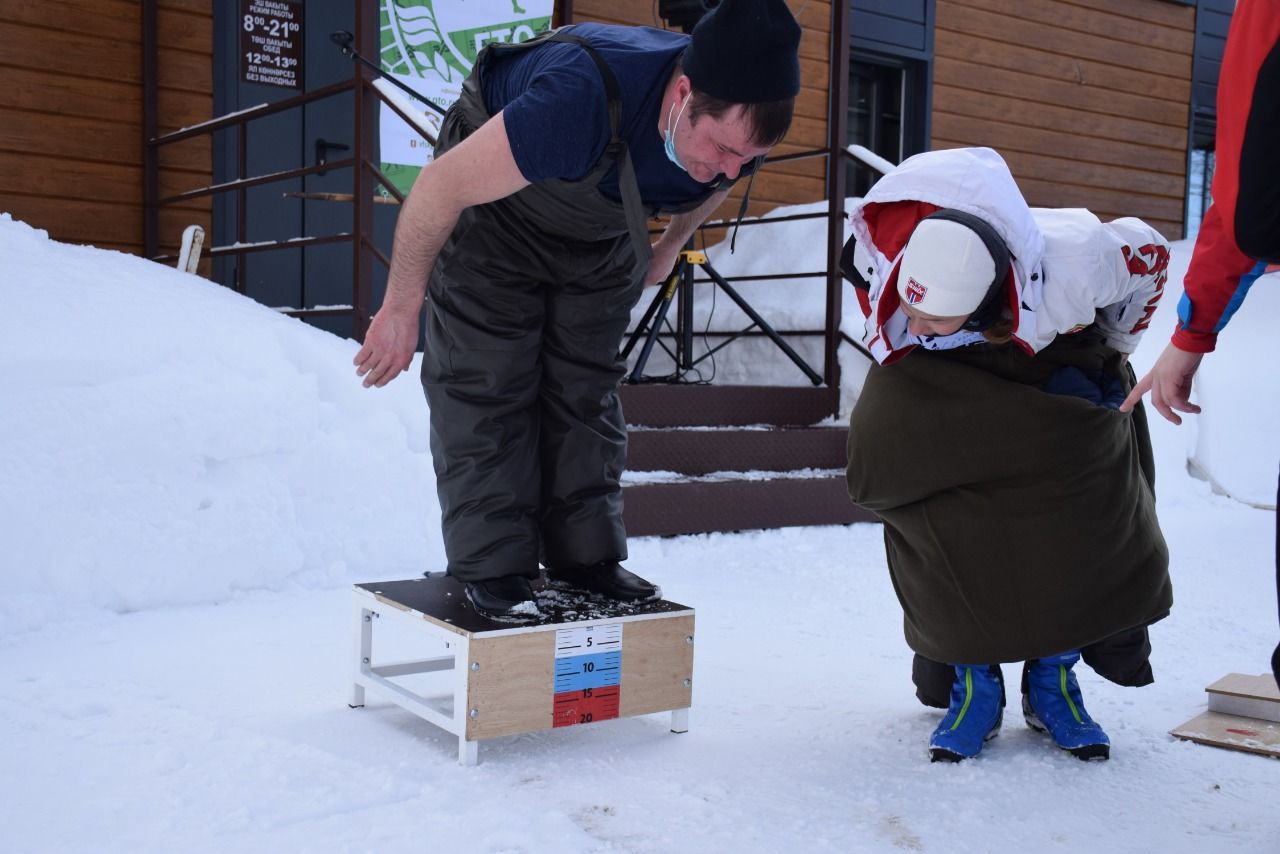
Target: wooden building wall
{"points": [[71, 140], [778, 184], [1086, 99]]}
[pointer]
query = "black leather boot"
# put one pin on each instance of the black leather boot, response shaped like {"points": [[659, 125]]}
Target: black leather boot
{"points": [[608, 579], [508, 596]]}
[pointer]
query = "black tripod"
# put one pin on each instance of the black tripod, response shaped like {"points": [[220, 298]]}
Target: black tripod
{"points": [[681, 281]]}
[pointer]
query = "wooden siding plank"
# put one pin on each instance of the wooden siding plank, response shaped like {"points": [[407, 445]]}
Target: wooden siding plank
{"points": [[1012, 29], [814, 74], [1068, 69], [192, 155], [1062, 170], [182, 109], [91, 140], [195, 7], [812, 103], [999, 81], [183, 71], [35, 90], [1174, 15], [186, 31], [94, 58], [71, 54], [1002, 108], [68, 177], [1097, 23], [1001, 136], [113, 20]]}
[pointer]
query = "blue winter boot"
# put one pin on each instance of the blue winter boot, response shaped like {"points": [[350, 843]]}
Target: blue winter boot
{"points": [[977, 707], [1051, 703]]}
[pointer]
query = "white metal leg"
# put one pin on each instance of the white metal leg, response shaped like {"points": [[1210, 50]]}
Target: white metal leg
{"points": [[680, 720], [363, 649], [468, 752]]}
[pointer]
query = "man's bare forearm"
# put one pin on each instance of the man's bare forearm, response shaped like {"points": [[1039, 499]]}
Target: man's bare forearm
{"points": [[421, 231], [681, 226]]}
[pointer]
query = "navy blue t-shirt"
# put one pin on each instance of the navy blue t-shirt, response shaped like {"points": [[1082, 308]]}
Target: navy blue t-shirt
{"points": [[557, 113]]}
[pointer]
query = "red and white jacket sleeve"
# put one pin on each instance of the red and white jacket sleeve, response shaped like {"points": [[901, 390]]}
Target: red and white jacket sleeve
{"points": [[1138, 259]]}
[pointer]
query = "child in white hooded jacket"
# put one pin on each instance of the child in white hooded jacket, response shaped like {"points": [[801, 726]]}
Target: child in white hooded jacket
{"points": [[946, 254]]}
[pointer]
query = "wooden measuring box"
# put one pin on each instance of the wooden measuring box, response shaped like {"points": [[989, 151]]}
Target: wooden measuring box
{"points": [[1243, 714], [582, 662]]}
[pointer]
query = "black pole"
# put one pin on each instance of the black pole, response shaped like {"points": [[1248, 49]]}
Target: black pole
{"points": [[643, 325], [150, 123], [343, 40], [659, 308], [684, 351]]}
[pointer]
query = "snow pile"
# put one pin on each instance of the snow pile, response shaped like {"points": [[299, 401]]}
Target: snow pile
{"points": [[167, 441]]}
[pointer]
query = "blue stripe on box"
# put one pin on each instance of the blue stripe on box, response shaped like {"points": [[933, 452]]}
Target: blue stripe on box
{"points": [[588, 671]]}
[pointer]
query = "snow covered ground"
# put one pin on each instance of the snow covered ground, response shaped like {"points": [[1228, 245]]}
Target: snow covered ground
{"points": [[189, 484]]}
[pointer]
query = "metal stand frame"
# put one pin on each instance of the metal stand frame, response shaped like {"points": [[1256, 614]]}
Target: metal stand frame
{"points": [[681, 282]]}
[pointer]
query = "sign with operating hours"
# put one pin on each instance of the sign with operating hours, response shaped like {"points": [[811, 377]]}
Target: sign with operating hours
{"points": [[271, 42]]}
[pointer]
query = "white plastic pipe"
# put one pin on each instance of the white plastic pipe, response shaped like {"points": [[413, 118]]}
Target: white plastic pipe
{"points": [[427, 125], [869, 157]]}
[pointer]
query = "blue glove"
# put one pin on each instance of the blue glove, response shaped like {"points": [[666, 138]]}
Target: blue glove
{"points": [[1096, 387]]}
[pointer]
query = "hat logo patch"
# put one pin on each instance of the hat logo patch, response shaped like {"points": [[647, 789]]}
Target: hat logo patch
{"points": [[915, 291]]}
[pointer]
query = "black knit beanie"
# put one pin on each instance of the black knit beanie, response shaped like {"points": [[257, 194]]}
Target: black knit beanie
{"points": [[745, 52]]}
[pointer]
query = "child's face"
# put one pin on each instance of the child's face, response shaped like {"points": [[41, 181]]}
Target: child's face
{"points": [[919, 323]]}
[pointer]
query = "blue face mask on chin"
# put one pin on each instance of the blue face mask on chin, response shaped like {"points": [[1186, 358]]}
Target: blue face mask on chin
{"points": [[669, 135]]}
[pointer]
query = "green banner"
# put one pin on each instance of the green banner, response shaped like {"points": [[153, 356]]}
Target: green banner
{"points": [[430, 46]]}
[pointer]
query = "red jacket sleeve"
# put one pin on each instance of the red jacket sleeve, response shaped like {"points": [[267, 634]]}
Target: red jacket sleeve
{"points": [[1221, 271]]}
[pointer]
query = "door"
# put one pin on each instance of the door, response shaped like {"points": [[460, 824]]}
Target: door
{"points": [[314, 277]]}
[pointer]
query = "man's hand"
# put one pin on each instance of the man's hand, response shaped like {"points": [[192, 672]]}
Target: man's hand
{"points": [[1169, 382], [388, 346]]}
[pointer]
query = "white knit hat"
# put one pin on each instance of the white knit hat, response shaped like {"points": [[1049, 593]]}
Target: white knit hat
{"points": [[946, 269]]}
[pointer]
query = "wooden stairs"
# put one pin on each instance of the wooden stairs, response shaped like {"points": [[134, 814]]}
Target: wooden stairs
{"points": [[708, 458]]}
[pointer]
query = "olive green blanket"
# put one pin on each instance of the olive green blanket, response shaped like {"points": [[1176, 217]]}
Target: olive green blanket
{"points": [[1017, 523]]}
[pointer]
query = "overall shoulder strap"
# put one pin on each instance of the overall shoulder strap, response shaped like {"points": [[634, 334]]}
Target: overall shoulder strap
{"points": [[617, 150], [628, 188]]}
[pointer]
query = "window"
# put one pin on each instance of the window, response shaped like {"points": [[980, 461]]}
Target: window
{"points": [[875, 118]]}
